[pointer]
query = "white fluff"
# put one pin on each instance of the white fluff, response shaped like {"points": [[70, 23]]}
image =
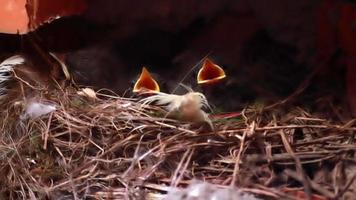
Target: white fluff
{"points": [[36, 109], [199, 190], [6, 68], [187, 107], [13, 60], [173, 102]]}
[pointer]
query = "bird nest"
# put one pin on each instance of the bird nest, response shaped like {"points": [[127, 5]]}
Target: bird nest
{"points": [[107, 147]]}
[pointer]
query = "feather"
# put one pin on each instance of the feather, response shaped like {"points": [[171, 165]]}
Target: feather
{"points": [[6, 68], [63, 66], [169, 101], [37, 109], [173, 102], [200, 190], [187, 107], [12, 61]]}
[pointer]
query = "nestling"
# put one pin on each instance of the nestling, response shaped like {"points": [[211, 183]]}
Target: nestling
{"points": [[187, 107]]}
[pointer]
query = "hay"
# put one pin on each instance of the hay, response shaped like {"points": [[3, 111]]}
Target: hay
{"points": [[111, 148]]}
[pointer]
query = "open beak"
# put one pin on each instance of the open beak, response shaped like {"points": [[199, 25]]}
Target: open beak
{"points": [[210, 73], [146, 83]]}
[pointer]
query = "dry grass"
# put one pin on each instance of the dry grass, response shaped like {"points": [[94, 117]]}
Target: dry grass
{"points": [[109, 148]]}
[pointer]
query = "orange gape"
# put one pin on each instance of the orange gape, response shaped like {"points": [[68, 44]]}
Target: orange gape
{"points": [[210, 73], [146, 82]]}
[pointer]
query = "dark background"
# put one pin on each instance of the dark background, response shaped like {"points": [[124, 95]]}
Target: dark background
{"points": [[268, 48]]}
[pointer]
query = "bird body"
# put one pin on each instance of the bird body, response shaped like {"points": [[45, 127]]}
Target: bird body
{"points": [[187, 107]]}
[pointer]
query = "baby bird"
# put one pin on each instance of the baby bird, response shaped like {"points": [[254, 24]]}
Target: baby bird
{"points": [[210, 73], [146, 83], [187, 107]]}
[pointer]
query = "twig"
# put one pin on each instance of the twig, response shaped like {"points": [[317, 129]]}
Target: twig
{"points": [[298, 164]]}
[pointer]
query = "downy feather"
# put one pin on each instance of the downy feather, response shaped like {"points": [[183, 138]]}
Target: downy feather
{"points": [[187, 107], [173, 102], [6, 68]]}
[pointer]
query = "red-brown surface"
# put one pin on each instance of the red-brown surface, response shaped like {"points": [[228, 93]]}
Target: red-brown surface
{"points": [[21, 16], [42, 11], [335, 30], [13, 16], [348, 44]]}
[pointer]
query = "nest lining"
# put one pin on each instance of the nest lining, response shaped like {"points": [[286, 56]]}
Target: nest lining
{"points": [[113, 148]]}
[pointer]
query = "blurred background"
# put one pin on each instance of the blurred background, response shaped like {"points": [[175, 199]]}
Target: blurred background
{"points": [[268, 49]]}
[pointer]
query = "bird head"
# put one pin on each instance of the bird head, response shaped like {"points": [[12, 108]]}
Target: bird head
{"points": [[146, 83]]}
